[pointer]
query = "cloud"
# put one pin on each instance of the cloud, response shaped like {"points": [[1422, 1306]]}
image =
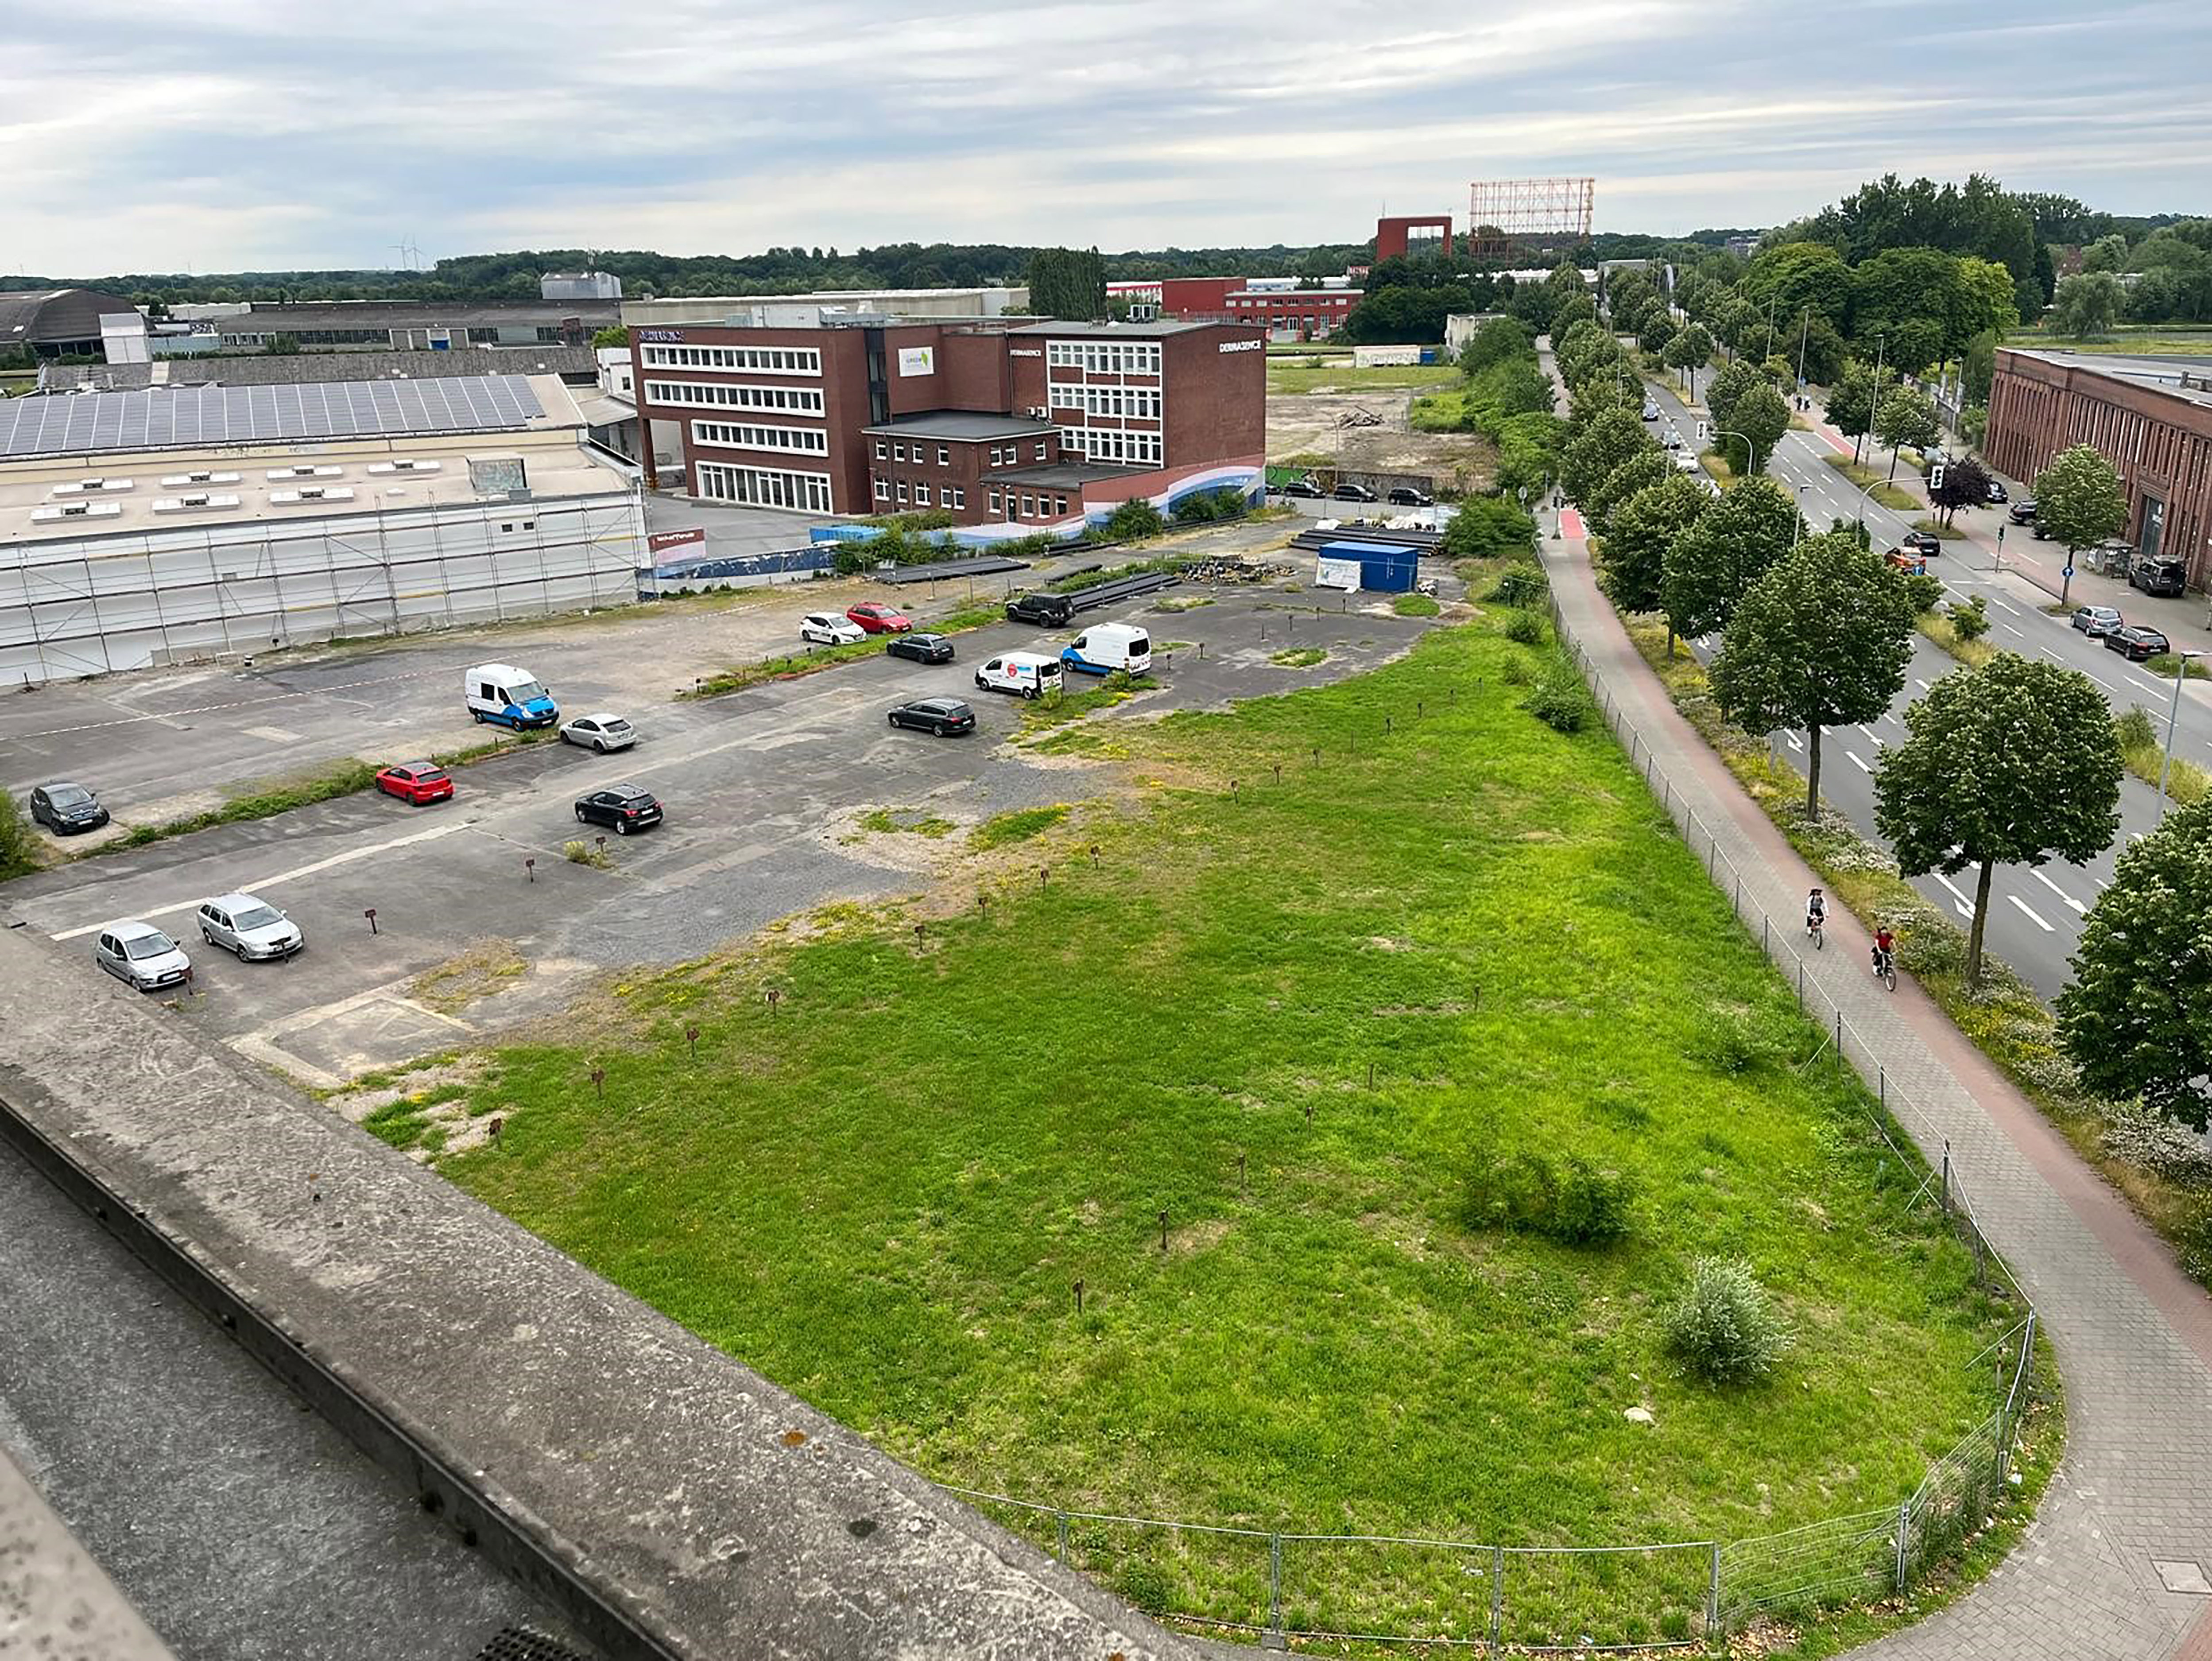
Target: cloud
{"points": [[270, 133]]}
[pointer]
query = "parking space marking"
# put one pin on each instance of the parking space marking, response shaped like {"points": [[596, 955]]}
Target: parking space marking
{"points": [[348, 857], [2079, 908], [216, 708], [2028, 911]]}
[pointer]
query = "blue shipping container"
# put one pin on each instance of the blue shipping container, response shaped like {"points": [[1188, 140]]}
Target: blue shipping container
{"points": [[1385, 570]]}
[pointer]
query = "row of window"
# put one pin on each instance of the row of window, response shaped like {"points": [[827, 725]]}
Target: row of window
{"points": [[1103, 444], [718, 395], [888, 450], [761, 487], [896, 491], [800, 441], [1010, 455], [1028, 505], [1130, 402], [1104, 357], [761, 359]]}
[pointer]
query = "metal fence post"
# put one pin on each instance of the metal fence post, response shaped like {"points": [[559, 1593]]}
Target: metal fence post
{"points": [[1497, 1596], [1275, 1586], [1943, 1197], [1061, 1517], [1713, 1594], [1839, 1037], [1903, 1537]]}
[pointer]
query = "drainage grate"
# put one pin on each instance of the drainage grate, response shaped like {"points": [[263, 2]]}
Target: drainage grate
{"points": [[520, 1643]]}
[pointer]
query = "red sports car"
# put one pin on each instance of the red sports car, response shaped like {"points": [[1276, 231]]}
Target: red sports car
{"points": [[417, 782], [880, 619]]}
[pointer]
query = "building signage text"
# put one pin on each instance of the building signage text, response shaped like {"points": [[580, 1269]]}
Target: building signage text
{"points": [[662, 336], [1023, 351], [1241, 345]]}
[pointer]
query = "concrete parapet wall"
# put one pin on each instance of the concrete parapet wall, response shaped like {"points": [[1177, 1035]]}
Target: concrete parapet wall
{"points": [[672, 1502]]}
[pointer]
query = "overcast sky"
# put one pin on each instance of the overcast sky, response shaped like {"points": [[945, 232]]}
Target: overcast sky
{"points": [[238, 134]]}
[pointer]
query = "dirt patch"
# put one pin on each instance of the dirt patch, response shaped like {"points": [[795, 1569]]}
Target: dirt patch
{"points": [[1198, 1237], [1335, 423], [485, 967]]}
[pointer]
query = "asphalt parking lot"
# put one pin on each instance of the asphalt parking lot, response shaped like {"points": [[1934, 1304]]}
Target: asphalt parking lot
{"points": [[762, 788]]}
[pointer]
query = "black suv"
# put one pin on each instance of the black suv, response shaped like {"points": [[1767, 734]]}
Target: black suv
{"points": [[1405, 495], [2159, 578], [1300, 487], [65, 809], [1926, 542], [1046, 611], [1352, 493], [624, 807]]}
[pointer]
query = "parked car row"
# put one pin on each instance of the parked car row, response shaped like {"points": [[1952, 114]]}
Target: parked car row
{"points": [[147, 959], [1401, 495]]}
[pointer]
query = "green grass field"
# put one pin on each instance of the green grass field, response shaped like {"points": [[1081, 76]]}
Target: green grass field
{"points": [[2151, 340], [883, 1189], [1282, 378]]}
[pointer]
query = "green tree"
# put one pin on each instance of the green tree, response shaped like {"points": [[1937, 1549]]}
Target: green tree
{"points": [[1978, 367], [1066, 282], [1987, 304], [1632, 560], [2079, 499], [1574, 308], [1730, 546], [1966, 484], [1821, 639], [1690, 350], [1762, 418], [1500, 340], [2086, 307], [1850, 404], [613, 335], [1905, 417], [1489, 527], [2107, 253], [2013, 763], [2137, 1020], [1609, 440], [1729, 384], [1648, 466], [1659, 327], [1792, 276]]}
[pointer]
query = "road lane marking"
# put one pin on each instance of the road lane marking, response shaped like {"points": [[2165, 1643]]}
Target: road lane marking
{"points": [[2009, 630], [2077, 905], [2001, 607], [2028, 911], [1862, 765], [1922, 684], [272, 881], [1966, 906]]}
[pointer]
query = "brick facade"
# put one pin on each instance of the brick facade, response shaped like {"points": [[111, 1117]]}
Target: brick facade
{"points": [[2160, 438]]}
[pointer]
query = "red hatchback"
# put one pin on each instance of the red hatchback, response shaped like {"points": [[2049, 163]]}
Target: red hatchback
{"points": [[416, 782], [880, 619]]}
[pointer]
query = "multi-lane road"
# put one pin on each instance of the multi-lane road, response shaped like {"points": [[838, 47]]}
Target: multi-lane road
{"points": [[2035, 913]]}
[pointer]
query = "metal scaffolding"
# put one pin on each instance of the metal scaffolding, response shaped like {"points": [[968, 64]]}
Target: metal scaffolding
{"points": [[1507, 217]]}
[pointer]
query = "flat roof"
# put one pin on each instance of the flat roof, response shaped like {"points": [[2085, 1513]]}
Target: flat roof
{"points": [[1115, 331], [1060, 475], [187, 418], [273, 318], [960, 424], [2186, 378]]}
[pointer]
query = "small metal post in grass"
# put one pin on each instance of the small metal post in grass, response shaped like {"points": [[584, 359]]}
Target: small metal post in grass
{"points": [[1944, 1197], [1243, 1184], [1060, 1516], [919, 930], [600, 1082], [529, 869], [1275, 1593], [1370, 1075], [983, 905], [1279, 772], [1078, 1297], [1387, 726], [774, 997], [498, 1123], [602, 842], [691, 1038], [1232, 789], [1497, 1596], [1044, 872], [1164, 1231], [1713, 1594], [1094, 856], [370, 913]]}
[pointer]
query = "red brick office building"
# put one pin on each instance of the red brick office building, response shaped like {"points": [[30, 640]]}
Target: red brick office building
{"points": [[996, 422], [2151, 418]]}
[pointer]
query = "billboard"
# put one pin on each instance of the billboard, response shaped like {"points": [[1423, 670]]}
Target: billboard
{"points": [[917, 359]]}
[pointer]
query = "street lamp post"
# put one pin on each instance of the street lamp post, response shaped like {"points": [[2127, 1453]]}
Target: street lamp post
{"points": [[2172, 720], [1798, 529]]}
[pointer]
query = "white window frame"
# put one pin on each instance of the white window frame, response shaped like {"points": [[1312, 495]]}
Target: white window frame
{"points": [[744, 360], [883, 492], [945, 455], [883, 449], [743, 435], [762, 487], [921, 494], [997, 504]]}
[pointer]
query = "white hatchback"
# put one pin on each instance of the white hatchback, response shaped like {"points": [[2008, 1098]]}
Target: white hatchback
{"points": [[830, 629], [140, 955]]}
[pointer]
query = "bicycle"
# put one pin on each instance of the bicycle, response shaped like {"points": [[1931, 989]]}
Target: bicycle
{"points": [[1814, 930], [1885, 968]]}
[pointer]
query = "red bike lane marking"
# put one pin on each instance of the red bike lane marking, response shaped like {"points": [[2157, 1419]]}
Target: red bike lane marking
{"points": [[1570, 524]]}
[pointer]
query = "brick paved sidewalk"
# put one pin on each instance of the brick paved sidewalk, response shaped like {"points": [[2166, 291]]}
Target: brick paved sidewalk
{"points": [[2133, 1336]]}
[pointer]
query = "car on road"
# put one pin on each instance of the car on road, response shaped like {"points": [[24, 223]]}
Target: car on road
{"points": [[1672, 440], [2021, 511], [943, 716], [508, 697], [625, 807], [140, 955], [922, 647], [1405, 495], [2159, 576], [1046, 611], [2095, 621], [1026, 674], [1352, 493], [1926, 542], [1650, 411], [1910, 561], [2137, 642], [876, 619], [417, 782], [249, 927], [1301, 487], [1995, 493], [830, 629], [66, 809], [602, 732]]}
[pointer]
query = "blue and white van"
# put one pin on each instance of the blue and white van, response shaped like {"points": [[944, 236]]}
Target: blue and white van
{"points": [[511, 696], [1105, 647]]}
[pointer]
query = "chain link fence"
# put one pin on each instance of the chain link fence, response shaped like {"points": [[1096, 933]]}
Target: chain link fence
{"points": [[1274, 1585]]}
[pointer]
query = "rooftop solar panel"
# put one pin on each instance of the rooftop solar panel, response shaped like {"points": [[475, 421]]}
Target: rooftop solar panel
{"points": [[169, 417]]}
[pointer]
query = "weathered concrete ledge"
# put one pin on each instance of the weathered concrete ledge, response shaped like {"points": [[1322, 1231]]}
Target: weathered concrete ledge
{"points": [[670, 1500], [55, 1603]]}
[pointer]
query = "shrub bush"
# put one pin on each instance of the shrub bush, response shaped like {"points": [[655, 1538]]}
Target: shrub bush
{"points": [[2135, 730], [1132, 519], [1971, 620], [1519, 585], [1525, 627], [1574, 1203], [1724, 1328], [1486, 528], [583, 853], [1208, 507], [19, 844], [1560, 699], [1926, 589]]}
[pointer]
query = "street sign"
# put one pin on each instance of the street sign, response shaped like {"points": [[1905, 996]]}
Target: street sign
{"points": [[2068, 572]]}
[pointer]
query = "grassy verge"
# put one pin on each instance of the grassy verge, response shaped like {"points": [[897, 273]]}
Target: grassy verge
{"points": [[1717, 465], [911, 821], [1044, 713], [1415, 605], [2006, 1019], [2142, 751], [1940, 531], [1301, 1019], [1076, 581], [1286, 379], [2163, 664], [1299, 657], [1017, 826], [790, 666], [1438, 412], [1939, 628], [1892, 497]]}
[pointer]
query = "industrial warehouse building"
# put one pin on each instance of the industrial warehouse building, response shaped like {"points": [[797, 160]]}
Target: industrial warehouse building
{"points": [[2150, 417], [178, 524], [50, 323], [1027, 426]]}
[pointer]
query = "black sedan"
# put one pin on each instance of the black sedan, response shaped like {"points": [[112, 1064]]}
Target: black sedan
{"points": [[922, 648], [2022, 511], [2138, 642], [1352, 493], [1405, 495], [1300, 487], [943, 716], [1926, 541], [624, 807], [66, 809], [1996, 493]]}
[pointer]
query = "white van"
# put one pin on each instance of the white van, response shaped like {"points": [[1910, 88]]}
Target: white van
{"points": [[1105, 647], [512, 697], [1026, 672]]}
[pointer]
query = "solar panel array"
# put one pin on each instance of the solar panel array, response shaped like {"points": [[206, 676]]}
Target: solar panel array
{"points": [[167, 417]]}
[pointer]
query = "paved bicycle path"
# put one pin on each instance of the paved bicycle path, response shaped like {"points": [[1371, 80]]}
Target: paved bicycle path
{"points": [[2133, 1335]]}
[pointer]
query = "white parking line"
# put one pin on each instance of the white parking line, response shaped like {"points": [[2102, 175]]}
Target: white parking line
{"points": [[1966, 906], [2028, 911], [1858, 761], [271, 881], [2060, 892]]}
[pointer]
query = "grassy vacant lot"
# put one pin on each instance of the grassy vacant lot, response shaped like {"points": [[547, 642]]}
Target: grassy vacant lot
{"points": [[882, 1188], [1283, 378], [2156, 339]]}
